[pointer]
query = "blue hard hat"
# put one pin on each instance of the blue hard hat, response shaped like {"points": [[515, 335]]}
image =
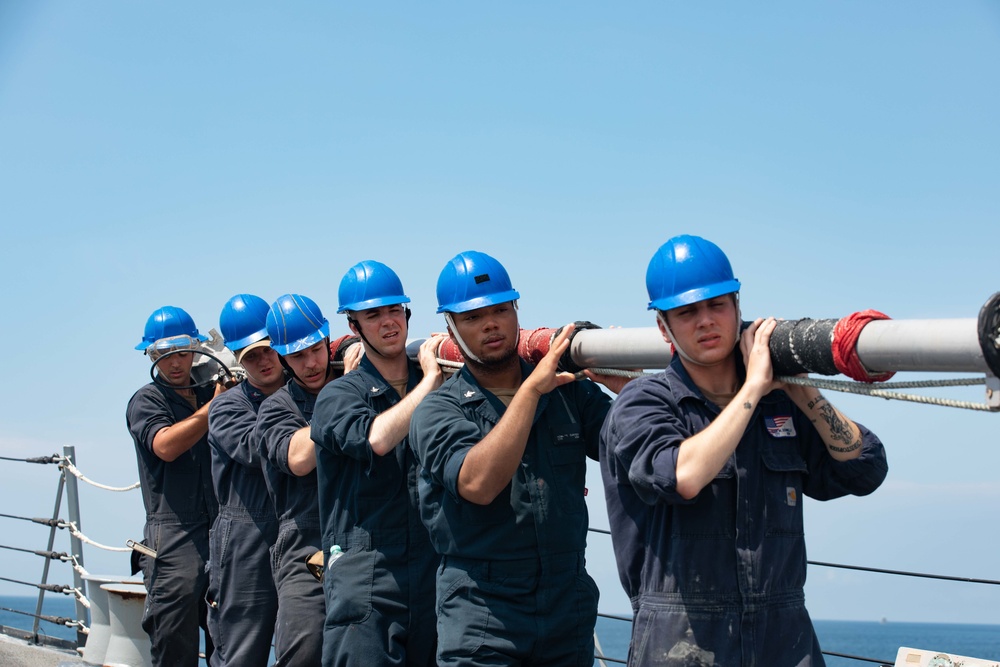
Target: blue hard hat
{"points": [[473, 280], [370, 284], [243, 321], [295, 323], [167, 322], [687, 269]]}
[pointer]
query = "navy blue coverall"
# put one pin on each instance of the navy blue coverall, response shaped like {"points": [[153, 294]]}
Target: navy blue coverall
{"points": [[380, 593], [512, 587], [180, 508], [243, 602], [298, 635], [718, 579]]}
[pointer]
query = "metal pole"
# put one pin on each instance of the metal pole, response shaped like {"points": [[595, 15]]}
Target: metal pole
{"points": [[76, 545], [921, 345], [45, 567], [642, 347]]}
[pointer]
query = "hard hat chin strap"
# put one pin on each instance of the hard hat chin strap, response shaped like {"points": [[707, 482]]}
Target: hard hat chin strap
{"points": [[368, 344], [466, 352], [662, 317]]}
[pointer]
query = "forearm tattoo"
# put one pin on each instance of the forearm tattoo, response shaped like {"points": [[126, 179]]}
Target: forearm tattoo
{"points": [[840, 431], [816, 401], [748, 405]]}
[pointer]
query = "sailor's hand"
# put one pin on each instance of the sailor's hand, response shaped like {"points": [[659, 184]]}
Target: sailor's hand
{"points": [[352, 357], [546, 375], [755, 346], [428, 359]]}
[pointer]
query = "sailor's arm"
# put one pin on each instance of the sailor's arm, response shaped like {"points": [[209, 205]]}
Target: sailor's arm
{"points": [[302, 452], [491, 463], [390, 427], [172, 441], [841, 436], [702, 456]]}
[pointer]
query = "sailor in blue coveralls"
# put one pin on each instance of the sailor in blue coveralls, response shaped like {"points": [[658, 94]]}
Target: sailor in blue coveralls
{"points": [[168, 420], [705, 466], [243, 602], [503, 448], [300, 334], [380, 591]]}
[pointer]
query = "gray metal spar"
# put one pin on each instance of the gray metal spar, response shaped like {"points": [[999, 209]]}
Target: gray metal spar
{"points": [[922, 345], [884, 345], [945, 345]]}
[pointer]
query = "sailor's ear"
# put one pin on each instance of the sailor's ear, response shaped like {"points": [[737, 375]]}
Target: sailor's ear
{"points": [[661, 324]]}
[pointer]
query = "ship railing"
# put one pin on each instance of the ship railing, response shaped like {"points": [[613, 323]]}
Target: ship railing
{"points": [[67, 486]]}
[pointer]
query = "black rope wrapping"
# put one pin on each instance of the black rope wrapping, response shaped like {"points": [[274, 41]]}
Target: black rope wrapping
{"points": [[989, 333], [566, 362], [803, 346]]}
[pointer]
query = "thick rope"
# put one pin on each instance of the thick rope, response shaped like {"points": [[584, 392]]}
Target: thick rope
{"points": [[79, 475], [79, 569]]}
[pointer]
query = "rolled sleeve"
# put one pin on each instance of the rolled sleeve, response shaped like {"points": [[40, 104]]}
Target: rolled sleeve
{"points": [[441, 436], [148, 413], [641, 436], [277, 422]]}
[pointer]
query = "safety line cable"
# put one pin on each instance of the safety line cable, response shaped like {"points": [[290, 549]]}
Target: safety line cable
{"points": [[58, 620], [880, 663], [882, 390], [51, 555], [865, 389], [55, 458], [902, 573]]}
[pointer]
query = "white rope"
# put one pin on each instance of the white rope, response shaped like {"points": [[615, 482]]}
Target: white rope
{"points": [[81, 598], [79, 569], [866, 389], [83, 538], [79, 475]]}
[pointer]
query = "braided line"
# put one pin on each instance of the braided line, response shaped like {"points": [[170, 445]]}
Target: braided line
{"points": [[79, 475]]}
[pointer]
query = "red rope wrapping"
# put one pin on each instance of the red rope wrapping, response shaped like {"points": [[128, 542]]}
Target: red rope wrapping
{"points": [[845, 350], [532, 346], [449, 351]]}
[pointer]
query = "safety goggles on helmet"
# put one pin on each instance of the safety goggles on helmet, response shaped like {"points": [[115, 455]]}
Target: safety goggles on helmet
{"points": [[163, 346]]}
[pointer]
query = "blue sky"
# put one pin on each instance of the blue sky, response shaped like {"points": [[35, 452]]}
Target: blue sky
{"points": [[846, 155]]}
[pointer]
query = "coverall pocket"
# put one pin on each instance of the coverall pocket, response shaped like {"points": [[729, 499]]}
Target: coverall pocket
{"points": [[462, 614], [347, 584], [784, 468]]}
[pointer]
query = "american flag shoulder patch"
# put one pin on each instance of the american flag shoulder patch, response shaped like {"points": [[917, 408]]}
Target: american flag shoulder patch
{"points": [[780, 426]]}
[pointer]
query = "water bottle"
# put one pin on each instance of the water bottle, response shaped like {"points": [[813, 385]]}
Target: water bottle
{"points": [[335, 553]]}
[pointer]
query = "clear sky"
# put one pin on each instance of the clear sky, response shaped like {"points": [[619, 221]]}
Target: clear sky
{"points": [[846, 155]]}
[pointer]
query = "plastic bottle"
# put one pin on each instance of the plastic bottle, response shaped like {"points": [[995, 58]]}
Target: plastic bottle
{"points": [[335, 553]]}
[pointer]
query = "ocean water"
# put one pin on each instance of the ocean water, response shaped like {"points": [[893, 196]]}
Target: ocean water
{"points": [[876, 641]]}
